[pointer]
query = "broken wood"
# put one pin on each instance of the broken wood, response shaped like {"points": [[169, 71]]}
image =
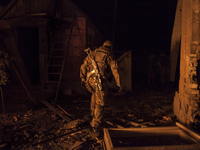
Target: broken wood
{"points": [[64, 110], [57, 111], [79, 131], [33, 100], [76, 145], [132, 123], [129, 110], [139, 105], [91, 136], [3, 145], [56, 137], [24, 126], [73, 124], [114, 124]]}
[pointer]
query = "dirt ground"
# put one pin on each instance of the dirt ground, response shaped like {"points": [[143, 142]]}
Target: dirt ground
{"points": [[29, 127]]}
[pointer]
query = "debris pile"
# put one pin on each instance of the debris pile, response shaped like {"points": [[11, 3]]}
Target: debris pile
{"points": [[41, 128]]}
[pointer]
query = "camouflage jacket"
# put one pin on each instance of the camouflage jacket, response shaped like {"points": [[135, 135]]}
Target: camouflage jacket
{"points": [[105, 60]]}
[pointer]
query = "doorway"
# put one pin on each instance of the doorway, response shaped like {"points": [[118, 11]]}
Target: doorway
{"points": [[28, 43]]}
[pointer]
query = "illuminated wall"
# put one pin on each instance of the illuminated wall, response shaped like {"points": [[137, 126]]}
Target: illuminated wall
{"points": [[186, 100]]}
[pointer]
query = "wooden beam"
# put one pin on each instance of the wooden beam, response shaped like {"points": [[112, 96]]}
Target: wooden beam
{"points": [[114, 124], [189, 131], [33, 100], [56, 110], [111, 134], [64, 110], [7, 8], [38, 14]]}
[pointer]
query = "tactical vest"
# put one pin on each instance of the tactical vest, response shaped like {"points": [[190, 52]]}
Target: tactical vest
{"points": [[100, 56]]}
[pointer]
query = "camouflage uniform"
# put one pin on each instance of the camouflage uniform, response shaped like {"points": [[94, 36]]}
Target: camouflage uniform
{"points": [[105, 59]]}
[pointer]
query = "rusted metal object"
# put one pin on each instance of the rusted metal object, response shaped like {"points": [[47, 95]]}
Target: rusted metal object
{"points": [[171, 138]]}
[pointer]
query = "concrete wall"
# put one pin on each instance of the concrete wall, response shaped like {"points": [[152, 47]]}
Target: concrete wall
{"points": [[186, 100]]}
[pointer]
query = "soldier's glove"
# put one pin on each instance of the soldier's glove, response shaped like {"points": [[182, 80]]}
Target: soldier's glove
{"points": [[121, 88]]}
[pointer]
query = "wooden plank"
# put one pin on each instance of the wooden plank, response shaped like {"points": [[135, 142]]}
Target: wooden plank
{"points": [[64, 111], [146, 129], [114, 124], [37, 14], [142, 132], [8, 7], [188, 131], [132, 123], [186, 137], [33, 100], [107, 140], [56, 110], [174, 147], [109, 136]]}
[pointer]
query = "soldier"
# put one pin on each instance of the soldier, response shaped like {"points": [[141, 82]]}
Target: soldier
{"points": [[104, 59]]}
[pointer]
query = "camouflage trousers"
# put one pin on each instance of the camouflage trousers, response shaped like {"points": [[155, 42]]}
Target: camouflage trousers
{"points": [[97, 104]]}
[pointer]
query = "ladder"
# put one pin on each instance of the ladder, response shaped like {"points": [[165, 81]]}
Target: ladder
{"points": [[53, 74]]}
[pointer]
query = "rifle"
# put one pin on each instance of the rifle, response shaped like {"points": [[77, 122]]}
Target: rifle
{"points": [[95, 71]]}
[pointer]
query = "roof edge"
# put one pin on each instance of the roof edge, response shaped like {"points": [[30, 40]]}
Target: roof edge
{"points": [[7, 8]]}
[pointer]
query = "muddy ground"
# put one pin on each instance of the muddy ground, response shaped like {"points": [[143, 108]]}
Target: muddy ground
{"points": [[26, 126]]}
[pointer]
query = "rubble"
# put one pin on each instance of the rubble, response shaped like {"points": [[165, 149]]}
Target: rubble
{"points": [[42, 128]]}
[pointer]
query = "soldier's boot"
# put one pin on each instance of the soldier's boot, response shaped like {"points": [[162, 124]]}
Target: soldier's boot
{"points": [[96, 120]]}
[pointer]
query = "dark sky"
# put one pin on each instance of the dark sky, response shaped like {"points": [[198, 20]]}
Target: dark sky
{"points": [[4, 2], [141, 25]]}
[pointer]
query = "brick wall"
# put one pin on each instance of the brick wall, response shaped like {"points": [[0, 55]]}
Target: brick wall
{"points": [[76, 55]]}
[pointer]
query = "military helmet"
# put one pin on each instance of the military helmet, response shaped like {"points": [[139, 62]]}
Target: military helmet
{"points": [[107, 43]]}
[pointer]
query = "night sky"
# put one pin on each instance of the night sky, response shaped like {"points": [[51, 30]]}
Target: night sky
{"points": [[143, 26], [4, 2]]}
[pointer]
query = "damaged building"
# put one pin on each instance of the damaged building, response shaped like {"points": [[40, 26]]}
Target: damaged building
{"points": [[186, 35], [45, 40], [35, 29]]}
